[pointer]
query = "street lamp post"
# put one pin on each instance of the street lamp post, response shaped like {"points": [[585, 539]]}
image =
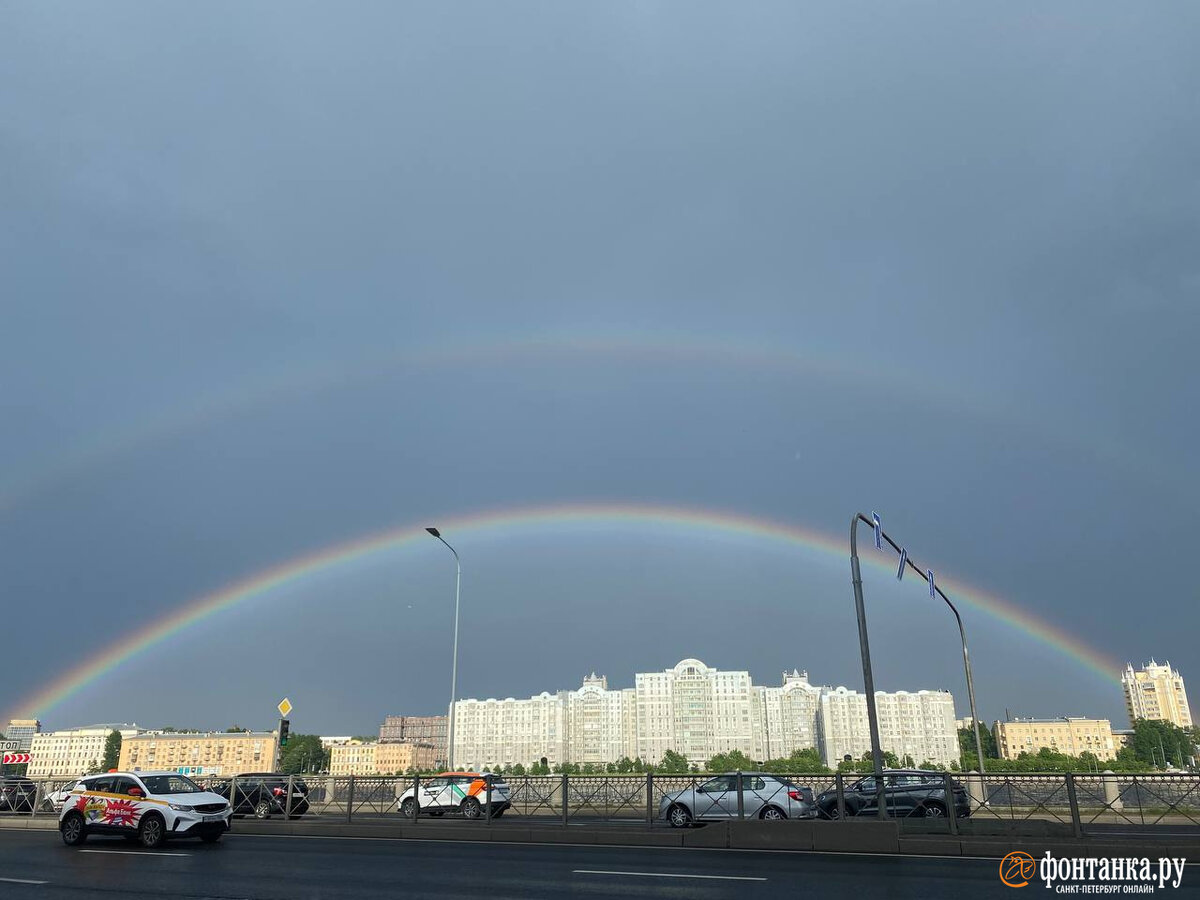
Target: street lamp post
{"points": [[454, 663], [866, 653]]}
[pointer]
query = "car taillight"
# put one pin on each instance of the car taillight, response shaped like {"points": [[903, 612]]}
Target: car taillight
{"points": [[277, 791], [795, 795]]}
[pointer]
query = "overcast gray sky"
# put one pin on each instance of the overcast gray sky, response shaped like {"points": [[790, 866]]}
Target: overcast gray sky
{"points": [[279, 275]]}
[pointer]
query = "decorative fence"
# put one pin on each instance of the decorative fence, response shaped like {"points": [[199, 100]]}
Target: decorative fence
{"points": [[1081, 802]]}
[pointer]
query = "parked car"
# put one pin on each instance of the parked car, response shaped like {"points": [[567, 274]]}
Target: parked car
{"points": [[17, 794], [55, 797], [455, 792], [764, 796], [265, 794], [147, 807], [910, 792]]}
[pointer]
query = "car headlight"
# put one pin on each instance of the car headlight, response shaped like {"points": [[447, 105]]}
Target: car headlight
{"points": [[180, 807]]}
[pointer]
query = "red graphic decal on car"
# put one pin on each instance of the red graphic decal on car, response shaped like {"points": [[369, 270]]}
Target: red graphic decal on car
{"points": [[120, 812]]}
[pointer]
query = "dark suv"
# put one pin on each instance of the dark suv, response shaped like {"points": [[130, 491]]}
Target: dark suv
{"points": [[17, 794], [265, 794], [909, 792]]}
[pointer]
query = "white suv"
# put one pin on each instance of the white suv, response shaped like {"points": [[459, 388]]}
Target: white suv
{"points": [[465, 793], [147, 807]]}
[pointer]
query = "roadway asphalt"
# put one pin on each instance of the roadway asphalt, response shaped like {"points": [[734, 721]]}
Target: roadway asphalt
{"points": [[37, 866]]}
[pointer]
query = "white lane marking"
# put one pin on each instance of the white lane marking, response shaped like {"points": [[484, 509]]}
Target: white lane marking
{"points": [[135, 852], [666, 875], [647, 847], [22, 881]]}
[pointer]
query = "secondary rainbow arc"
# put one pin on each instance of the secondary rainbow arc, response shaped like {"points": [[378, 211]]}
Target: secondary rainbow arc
{"points": [[347, 553]]}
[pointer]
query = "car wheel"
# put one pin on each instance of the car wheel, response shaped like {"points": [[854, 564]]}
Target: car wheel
{"points": [[211, 837], [262, 809], [679, 817], [408, 808], [73, 829], [471, 808], [152, 832], [933, 810], [772, 814]]}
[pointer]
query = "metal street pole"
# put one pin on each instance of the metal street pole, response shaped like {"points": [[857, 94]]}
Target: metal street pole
{"points": [[957, 618], [868, 680], [454, 663]]}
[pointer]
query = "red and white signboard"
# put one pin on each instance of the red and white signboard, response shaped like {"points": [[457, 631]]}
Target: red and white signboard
{"points": [[15, 758]]}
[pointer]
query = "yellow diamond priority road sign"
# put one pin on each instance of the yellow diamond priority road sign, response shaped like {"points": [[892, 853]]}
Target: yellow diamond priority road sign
{"points": [[285, 707]]}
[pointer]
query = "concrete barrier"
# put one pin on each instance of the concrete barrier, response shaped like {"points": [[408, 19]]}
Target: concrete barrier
{"points": [[858, 837], [754, 835]]}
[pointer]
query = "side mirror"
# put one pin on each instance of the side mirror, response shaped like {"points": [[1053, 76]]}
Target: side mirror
{"points": [[136, 792]]}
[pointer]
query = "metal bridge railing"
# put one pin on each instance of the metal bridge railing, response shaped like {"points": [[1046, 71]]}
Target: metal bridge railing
{"points": [[1084, 802]]}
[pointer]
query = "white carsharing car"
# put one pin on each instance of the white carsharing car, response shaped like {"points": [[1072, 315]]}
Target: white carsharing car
{"points": [[147, 807]]}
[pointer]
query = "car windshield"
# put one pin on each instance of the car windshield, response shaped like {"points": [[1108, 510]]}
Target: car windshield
{"points": [[170, 784]]}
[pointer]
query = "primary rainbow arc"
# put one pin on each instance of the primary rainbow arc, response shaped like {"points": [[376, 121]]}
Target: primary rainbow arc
{"points": [[683, 518]]}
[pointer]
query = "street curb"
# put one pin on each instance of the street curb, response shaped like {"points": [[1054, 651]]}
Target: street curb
{"points": [[35, 823]]}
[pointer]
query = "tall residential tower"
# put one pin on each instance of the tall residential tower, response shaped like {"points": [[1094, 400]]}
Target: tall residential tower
{"points": [[1156, 692]]}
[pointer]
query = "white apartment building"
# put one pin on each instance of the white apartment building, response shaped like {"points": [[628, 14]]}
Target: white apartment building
{"points": [[920, 725], [785, 717], [601, 725], [1156, 692], [700, 712], [693, 710], [505, 732], [842, 727], [74, 752]]}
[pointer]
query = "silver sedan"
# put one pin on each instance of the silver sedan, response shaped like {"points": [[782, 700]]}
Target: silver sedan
{"points": [[764, 796]]}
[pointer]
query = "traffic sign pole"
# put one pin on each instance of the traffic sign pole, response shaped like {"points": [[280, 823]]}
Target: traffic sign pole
{"points": [[281, 731]]}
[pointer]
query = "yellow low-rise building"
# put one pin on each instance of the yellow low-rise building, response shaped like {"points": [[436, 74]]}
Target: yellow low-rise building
{"points": [[355, 758], [1069, 735], [211, 753]]}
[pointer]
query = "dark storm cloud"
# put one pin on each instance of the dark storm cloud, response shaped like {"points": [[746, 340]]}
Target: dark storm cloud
{"points": [[997, 201]]}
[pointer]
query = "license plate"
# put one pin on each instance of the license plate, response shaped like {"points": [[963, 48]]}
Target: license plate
{"points": [[297, 794], [214, 818]]}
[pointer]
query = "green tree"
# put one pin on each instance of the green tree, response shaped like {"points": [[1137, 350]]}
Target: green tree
{"points": [[966, 747], [733, 761], [236, 729], [303, 754], [1160, 743], [806, 760], [112, 751], [518, 770], [672, 763]]}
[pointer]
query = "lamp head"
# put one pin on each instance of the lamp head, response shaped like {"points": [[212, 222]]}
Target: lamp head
{"points": [[434, 532]]}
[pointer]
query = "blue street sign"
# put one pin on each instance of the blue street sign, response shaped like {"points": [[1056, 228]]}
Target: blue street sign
{"points": [[903, 564], [929, 575], [878, 531]]}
